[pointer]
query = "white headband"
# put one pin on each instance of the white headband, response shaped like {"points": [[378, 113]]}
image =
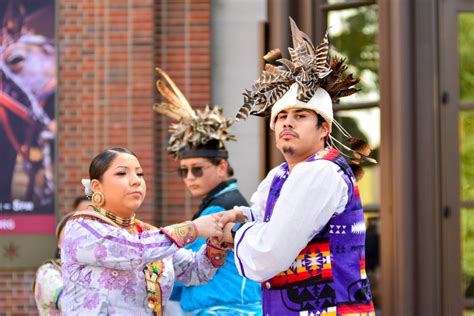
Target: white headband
{"points": [[321, 103]]}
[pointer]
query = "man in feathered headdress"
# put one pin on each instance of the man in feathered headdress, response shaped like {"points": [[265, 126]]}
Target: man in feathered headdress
{"points": [[197, 141], [304, 234]]}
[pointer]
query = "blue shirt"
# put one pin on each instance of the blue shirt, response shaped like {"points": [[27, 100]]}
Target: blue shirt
{"points": [[227, 287]]}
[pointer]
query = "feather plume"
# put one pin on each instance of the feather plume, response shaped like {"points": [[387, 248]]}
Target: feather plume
{"points": [[272, 56], [360, 146], [322, 58], [300, 39], [178, 104], [269, 68], [308, 66], [356, 151], [165, 109], [209, 124], [192, 127], [361, 150], [357, 170], [244, 110]]}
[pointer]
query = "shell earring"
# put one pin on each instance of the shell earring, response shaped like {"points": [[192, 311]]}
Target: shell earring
{"points": [[98, 199]]}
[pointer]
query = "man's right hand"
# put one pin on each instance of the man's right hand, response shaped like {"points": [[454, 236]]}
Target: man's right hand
{"points": [[233, 215]]}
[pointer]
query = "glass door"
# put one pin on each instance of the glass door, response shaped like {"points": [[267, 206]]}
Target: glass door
{"points": [[465, 46], [457, 84]]}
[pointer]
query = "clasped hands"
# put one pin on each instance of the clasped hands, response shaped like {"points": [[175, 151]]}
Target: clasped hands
{"points": [[217, 227]]}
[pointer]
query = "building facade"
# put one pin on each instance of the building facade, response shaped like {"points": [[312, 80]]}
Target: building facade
{"points": [[415, 109]]}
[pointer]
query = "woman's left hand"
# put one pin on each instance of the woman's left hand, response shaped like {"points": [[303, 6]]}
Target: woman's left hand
{"points": [[208, 227]]}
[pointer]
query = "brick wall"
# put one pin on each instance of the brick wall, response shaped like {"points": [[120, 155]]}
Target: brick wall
{"points": [[15, 293], [107, 53], [105, 88], [183, 50]]}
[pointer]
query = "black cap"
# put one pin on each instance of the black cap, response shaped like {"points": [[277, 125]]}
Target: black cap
{"points": [[211, 149]]}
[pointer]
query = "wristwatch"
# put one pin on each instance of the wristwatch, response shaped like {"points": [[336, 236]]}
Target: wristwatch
{"points": [[235, 228]]}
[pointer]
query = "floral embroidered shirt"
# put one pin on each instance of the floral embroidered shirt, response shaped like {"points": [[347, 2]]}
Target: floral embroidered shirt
{"points": [[103, 268], [48, 289]]}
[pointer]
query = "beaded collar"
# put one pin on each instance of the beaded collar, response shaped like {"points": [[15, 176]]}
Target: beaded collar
{"points": [[123, 222]]}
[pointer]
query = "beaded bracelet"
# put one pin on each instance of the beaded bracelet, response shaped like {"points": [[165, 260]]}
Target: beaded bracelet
{"points": [[181, 234], [215, 254]]}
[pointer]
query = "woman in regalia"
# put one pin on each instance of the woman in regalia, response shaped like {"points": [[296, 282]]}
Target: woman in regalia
{"points": [[114, 264]]}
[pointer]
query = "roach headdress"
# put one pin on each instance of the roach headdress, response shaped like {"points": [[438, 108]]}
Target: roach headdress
{"points": [[310, 79], [199, 133]]}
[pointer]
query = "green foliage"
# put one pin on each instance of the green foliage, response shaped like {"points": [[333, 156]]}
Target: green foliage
{"points": [[357, 41], [466, 139], [467, 193], [466, 58]]}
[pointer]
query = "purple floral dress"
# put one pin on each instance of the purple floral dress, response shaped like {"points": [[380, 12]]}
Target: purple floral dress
{"points": [[103, 268]]}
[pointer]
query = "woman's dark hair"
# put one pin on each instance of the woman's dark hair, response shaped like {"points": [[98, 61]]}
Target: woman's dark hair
{"points": [[102, 161], [217, 161]]}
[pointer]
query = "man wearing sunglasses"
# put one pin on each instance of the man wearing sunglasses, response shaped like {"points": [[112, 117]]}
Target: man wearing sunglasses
{"points": [[207, 174], [197, 142]]}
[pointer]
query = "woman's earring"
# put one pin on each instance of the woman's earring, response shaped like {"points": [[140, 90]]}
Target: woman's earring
{"points": [[98, 199]]}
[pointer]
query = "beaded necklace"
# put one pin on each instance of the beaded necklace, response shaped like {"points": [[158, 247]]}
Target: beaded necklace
{"points": [[123, 222]]}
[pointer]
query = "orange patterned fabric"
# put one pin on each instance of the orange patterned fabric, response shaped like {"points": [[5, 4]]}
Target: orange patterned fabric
{"points": [[314, 261], [181, 234]]}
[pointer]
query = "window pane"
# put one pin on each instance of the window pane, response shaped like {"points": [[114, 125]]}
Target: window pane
{"points": [[467, 250], [364, 124], [466, 58], [353, 35], [342, 1], [369, 187], [372, 255], [466, 141]]}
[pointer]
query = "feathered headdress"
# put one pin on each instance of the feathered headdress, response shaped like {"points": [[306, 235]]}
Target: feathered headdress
{"points": [[310, 79], [199, 133]]}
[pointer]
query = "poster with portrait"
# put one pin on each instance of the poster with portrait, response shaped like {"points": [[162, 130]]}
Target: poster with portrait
{"points": [[27, 116]]}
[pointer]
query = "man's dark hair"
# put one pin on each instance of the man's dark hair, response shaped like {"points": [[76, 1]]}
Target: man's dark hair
{"points": [[319, 124], [321, 120], [217, 161]]}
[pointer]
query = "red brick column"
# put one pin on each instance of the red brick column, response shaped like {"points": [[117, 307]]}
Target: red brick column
{"points": [[183, 50], [105, 88]]}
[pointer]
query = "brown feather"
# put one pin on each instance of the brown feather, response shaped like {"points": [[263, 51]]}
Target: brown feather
{"points": [[322, 57], [360, 146], [269, 68], [300, 38], [168, 94], [272, 56], [177, 97], [164, 108], [245, 108], [357, 170]]}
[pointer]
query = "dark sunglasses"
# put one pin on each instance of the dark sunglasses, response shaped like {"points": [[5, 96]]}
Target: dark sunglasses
{"points": [[195, 171]]}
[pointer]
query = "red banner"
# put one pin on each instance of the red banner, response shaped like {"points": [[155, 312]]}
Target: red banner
{"points": [[27, 224]]}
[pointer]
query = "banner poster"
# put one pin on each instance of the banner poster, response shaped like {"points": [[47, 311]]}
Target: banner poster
{"points": [[27, 116]]}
